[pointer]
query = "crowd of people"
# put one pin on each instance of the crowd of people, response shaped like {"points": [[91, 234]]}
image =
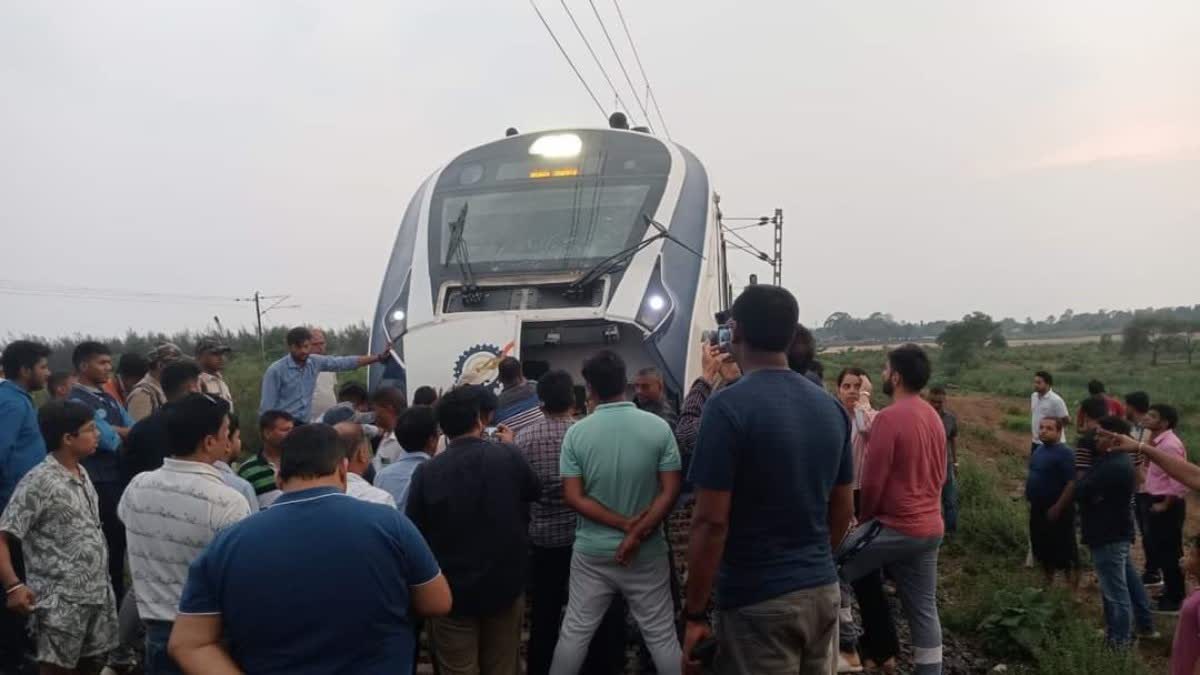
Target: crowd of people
{"points": [[1127, 477], [365, 522]]}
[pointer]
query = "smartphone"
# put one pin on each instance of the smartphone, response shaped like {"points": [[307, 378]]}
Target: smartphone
{"points": [[489, 433], [724, 338]]}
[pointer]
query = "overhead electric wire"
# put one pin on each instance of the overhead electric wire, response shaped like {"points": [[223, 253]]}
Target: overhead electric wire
{"points": [[114, 298], [595, 57], [638, 58], [746, 243], [571, 63], [19, 285], [628, 80]]}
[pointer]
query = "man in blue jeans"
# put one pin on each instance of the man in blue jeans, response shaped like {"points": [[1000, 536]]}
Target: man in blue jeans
{"points": [[1104, 494]]}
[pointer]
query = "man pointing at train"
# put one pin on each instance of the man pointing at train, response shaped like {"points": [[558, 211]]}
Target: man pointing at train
{"points": [[288, 383]]}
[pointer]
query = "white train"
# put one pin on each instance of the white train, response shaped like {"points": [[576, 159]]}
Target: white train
{"points": [[550, 246]]}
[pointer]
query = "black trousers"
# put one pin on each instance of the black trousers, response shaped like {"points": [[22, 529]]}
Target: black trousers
{"points": [[114, 533], [549, 590], [14, 640], [1165, 530], [1141, 517]]}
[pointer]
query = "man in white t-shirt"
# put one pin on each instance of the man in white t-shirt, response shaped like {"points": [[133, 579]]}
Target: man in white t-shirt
{"points": [[172, 513], [354, 443], [1043, 403]]}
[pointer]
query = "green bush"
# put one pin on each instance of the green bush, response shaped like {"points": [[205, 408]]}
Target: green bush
{"points": [[1020, 624]]}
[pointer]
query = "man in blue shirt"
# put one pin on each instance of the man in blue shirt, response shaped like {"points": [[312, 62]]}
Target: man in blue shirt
{"points": [[417, 433], [773, 471], [1050, 490], [318, 583], [93, 368], [288, 383], [21, 448]]}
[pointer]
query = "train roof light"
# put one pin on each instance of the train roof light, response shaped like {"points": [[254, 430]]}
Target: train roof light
{"points": [[557, 146]]}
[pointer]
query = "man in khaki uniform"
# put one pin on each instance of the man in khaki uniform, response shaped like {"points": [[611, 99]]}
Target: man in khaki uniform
{"points": [[212, 355], [147, 395]]}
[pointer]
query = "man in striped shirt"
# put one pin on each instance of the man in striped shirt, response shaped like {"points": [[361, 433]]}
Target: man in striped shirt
{"points": [[260, 470], [518, 406]]}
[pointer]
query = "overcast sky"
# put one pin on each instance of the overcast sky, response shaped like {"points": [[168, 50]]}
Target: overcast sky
{"points": [[931, 158]]}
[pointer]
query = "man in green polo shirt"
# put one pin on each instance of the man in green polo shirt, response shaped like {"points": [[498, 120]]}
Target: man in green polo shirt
{"points": [[621, 472], [260, 470]]}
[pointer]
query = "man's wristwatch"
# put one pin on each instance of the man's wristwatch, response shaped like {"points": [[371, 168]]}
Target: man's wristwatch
{"points": [[695, 617]]}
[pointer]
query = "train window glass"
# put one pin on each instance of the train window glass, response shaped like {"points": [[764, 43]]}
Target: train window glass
{"points": [[575, 221], [470, 174]]}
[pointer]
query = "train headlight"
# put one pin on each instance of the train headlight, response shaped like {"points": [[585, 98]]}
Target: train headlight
{"points": [[657, 305], [395, 321], [556, 146]]}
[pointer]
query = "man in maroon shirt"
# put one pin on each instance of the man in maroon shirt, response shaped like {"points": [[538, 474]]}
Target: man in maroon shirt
{"points": [[900, 506]]}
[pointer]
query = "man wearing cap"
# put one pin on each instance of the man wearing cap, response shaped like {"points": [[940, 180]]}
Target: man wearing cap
{"points": [[211, 354], [147, 395]]}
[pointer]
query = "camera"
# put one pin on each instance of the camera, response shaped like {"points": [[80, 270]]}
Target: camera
{"points": [[723, 335]]}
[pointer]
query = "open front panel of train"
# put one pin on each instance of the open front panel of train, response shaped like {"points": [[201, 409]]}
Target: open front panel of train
{"points": [[516, 248]]}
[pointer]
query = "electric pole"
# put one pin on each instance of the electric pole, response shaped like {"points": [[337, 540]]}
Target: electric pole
{"points": [[777, 261], [257, 299], [740, 243], [262, 346]]}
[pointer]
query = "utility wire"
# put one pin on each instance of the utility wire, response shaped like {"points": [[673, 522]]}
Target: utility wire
{"points": [[746, 243], [637, 57], [628, 80], [112, 298], [595, 58], [25, 286], [571, 63]]}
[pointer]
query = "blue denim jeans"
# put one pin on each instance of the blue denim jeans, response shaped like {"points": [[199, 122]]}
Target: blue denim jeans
{"points": [[158, 633], [1125, 601]]}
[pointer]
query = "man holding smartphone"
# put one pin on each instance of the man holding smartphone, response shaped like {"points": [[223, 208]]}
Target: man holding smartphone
{"points": [[765, 447]]}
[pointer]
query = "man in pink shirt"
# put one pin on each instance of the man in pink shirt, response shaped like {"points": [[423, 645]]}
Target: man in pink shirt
{"points": [[900, 504], [1164, 523]]}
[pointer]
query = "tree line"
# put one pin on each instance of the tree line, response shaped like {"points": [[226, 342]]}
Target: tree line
{"points": [[245, 343], [883, 327]]}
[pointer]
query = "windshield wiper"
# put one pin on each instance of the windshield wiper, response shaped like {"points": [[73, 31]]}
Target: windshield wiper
{"points": [[457, 249], [616, 261]]}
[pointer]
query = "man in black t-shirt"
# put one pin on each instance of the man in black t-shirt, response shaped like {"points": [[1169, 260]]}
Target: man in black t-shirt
{"points": [[147, 443]]}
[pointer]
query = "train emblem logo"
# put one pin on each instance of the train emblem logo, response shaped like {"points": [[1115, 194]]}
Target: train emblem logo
{"points": [[480, 364]]}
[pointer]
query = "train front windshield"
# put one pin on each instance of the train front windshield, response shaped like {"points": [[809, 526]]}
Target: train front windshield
{"points": [[517, 210]]}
